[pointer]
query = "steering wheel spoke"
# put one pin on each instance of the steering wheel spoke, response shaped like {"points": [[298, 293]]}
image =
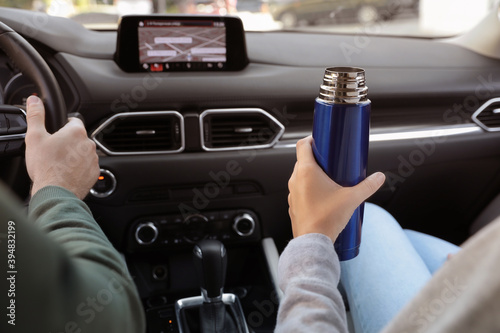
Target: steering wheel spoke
{"points": [[26, 58], [12, 130]]}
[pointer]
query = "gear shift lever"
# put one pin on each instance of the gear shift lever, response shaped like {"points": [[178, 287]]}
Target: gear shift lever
{"points": [[210, 261], [217, 312]]}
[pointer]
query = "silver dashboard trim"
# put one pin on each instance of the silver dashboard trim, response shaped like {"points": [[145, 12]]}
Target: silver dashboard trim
{"points": [[196, 301], [481, 109], [424, 133], [240, 110], [137, 114], [431, 132]]}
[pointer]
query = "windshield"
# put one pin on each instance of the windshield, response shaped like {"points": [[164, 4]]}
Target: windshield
{"points": [[420, 18]]}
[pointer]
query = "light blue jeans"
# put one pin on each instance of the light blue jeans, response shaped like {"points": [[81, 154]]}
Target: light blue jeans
{"points": [[391, 268]]}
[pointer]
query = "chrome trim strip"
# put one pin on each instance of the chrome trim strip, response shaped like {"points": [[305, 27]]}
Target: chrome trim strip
{"points": [[240, 110], [137, 114], [9, 137], [429, 132], [272, 258], [11, 81], [481, 109], [196, 301]]}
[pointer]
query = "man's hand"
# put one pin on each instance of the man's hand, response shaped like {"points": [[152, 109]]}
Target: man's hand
{"points": [[317, 203], [66, 158]]}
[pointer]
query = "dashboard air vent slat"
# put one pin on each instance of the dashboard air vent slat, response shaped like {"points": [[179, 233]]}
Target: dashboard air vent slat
{"points": [[488, 115], [141, 133], [226, 129]]}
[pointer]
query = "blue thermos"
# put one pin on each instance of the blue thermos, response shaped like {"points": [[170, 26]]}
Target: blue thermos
{"points": [[340, 141]]}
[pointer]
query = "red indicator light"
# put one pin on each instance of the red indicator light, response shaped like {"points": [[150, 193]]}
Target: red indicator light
{"points": [[157, 68]]}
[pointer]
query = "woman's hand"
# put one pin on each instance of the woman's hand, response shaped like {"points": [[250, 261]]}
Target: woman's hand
{"points": [[317, 203]]}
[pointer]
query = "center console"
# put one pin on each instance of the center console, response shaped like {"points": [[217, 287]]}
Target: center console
{"points": [[159, 246], [160, 259]]}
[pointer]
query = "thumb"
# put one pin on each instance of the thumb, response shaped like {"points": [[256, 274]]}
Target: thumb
{"points": [[369, 186], [35, 115]]}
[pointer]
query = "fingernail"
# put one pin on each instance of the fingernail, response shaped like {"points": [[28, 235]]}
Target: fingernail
{"points": [[379, 177], [32, 100]]}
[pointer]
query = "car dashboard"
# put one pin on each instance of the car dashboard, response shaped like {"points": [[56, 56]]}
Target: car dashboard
{"points": [[168, 181]]}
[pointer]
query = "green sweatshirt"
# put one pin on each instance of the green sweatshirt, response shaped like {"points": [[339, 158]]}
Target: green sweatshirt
{"points": [[59, 272]]}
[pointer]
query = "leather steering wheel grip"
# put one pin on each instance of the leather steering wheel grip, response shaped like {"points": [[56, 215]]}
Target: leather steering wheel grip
{"points": [[31, 64]]}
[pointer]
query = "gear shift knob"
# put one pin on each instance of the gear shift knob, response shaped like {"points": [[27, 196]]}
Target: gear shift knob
{"points": [[210, 261]]}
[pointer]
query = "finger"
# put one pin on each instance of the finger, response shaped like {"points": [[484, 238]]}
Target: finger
{"points": [[304, 150], [35, 115], [76, 119], [369, 186], [74, 125]]}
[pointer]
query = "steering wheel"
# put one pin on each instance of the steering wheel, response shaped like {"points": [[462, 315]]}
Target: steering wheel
{"points": [[12, 119]]}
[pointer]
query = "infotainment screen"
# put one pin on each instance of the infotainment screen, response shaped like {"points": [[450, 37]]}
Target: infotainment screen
{"points": [[167, 44], [180, 43]]}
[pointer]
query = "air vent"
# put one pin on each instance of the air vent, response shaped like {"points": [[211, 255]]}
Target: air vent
{"points": [[226, 129], [135, 133], [488, 115]]}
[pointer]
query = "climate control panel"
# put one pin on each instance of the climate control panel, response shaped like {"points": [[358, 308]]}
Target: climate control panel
{"points": [[167, 231]]}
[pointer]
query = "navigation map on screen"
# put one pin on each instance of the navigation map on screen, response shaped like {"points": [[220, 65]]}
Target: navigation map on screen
{"points": [[168, 45]]}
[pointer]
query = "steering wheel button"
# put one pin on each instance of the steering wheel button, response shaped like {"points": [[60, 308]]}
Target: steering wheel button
{"points": [[17, 123], [3, 124], [14, 145]]}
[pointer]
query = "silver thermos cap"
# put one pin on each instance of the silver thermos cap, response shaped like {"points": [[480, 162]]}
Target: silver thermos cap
{"points": [[345, 85]]}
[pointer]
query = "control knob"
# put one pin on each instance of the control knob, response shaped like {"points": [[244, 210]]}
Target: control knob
{"points": [[244, 224], [146, 233]]}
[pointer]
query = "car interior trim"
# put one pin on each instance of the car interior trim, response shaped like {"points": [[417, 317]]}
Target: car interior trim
{"points": [[240, 110], [227, 298], [429, 132], [9, 137], [137, 114], [483, 108], [272, 257]]}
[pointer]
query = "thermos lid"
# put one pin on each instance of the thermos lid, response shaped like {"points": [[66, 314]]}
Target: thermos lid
{"points": [[344, 85]]}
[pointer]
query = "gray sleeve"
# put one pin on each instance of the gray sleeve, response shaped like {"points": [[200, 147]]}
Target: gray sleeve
{"points": [[461, 297], [309, 273]]}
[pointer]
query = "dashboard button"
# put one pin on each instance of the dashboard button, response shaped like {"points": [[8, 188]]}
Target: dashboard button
{"points": [[105, 185]]}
